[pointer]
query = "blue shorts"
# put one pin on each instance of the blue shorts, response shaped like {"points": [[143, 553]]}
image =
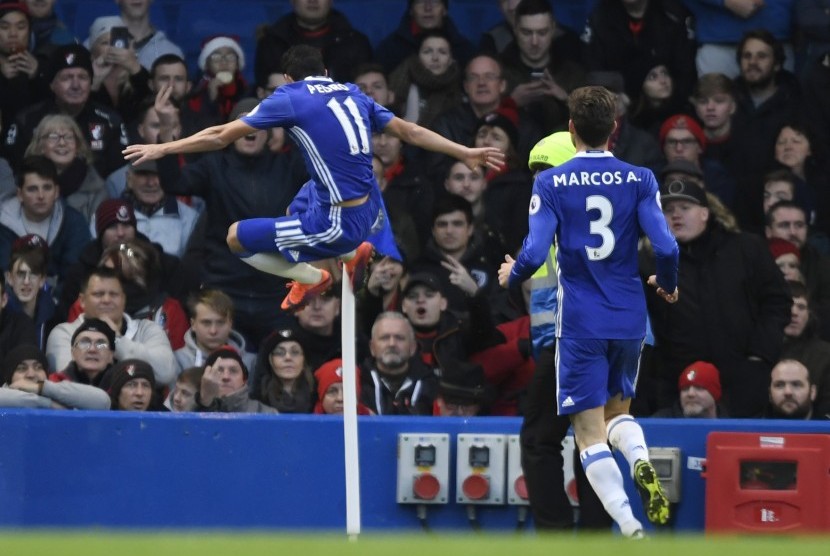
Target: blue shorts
{"points": [[313, 230], [590, 372]]}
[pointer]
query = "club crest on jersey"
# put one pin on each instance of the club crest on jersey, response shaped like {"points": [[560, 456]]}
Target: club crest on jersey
{"points": [[535, 204]]}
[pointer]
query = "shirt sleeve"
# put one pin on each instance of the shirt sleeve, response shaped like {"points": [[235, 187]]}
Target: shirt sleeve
{"points": [[380, 117], [542, 224], [274, 111], [76, 396], [653, 223]]}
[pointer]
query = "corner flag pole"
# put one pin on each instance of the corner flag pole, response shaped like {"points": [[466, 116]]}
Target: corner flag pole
{"points": [[347, 338]]}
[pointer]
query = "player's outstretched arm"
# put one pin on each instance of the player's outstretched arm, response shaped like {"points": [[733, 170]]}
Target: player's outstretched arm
{"points": [[426, 139], [210, 139], [669, 297]]}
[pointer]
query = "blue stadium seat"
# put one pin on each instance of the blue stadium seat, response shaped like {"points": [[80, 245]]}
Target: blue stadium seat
{"points": [[200, 19], [373, 18], [473, 17]]}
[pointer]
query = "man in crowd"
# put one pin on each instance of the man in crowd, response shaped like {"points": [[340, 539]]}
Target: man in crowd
{"points": [[69, 75], [791, 393], [699, 386], [395, 380], [93, 350], [102, 297], [313, 23], [211, 327]]}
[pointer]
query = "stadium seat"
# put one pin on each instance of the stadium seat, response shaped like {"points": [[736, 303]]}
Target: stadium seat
{"points": [[373, 18], [201, 19]]}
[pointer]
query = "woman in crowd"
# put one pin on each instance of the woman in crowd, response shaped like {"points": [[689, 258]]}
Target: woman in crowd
{"points": [[507, 193], [658, 100], [794, 150], [119, 80], [284, 377], [58, 138], [428, 82]]}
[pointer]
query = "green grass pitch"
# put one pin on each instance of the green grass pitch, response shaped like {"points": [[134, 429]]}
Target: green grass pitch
{"points": [[200, 543]]}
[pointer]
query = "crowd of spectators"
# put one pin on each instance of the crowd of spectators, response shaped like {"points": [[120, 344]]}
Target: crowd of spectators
{"points": [[118, 290]]}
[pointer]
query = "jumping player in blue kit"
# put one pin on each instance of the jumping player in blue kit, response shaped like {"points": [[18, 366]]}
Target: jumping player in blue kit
{"points": [[595, 207], [341, 206]]}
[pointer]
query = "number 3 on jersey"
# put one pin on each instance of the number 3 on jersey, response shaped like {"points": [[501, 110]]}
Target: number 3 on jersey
{"points": [[358, 142], [600, 227]]}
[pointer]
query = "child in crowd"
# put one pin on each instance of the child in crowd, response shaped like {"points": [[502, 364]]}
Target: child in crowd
{"points": [[28, 290], [183, 397], [330, 389], [222, 85]]}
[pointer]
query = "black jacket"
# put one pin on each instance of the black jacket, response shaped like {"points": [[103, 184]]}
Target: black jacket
{"points": [[415, 396], [15, 329], [732, 310], [506, 201], [402, 43], [665, 37], [343, 47]]}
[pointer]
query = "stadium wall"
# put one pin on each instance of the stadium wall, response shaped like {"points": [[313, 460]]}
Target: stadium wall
{"points": [[72, 469]]}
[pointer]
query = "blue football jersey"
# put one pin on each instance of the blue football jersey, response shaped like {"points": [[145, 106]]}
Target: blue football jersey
{"points": [[595, 206], [332, 123]]}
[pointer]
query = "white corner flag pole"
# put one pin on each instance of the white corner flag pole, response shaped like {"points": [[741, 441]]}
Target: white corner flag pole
{"points": [[347, 337]]}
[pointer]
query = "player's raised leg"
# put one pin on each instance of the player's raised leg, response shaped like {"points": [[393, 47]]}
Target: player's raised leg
{"points": [[307, 279]]}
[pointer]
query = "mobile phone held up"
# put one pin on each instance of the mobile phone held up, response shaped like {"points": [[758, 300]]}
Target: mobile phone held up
{"points": [[119, 37], [537, 75]]}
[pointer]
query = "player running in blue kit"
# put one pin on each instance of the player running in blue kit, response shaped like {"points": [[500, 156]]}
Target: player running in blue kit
{"points": [[594, 207], [341, 206]]}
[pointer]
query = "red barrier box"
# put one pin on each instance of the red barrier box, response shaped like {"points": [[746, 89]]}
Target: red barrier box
{"points": [[767, 482]]}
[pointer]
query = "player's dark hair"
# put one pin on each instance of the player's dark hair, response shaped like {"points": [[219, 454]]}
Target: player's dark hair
{"points": [[765, 37], [593, 112], [40, 165], [301, 61], [448, 203]]}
